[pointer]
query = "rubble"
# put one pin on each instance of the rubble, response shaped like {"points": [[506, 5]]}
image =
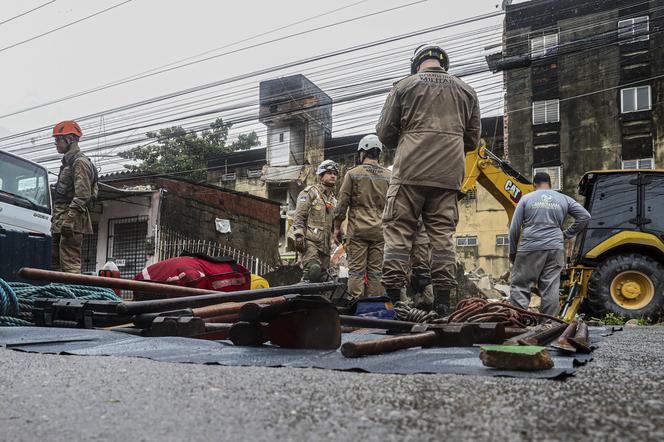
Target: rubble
{"points": [[478, 283]]}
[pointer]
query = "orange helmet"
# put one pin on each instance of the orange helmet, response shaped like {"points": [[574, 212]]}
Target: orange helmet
{"points": [[69, 127]]}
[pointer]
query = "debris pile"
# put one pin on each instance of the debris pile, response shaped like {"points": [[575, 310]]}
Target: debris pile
{"points": [[301, 316]]}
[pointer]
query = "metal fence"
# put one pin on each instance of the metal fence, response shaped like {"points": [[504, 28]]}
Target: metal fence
{"points": [[169, 244]]}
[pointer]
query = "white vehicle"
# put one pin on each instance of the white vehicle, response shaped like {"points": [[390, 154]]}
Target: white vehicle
{"points": [[25, 215]]}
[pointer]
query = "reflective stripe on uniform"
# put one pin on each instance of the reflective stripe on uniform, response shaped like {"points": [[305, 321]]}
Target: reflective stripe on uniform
{"points": [[396, 255], [443, 255], [374, 276]]}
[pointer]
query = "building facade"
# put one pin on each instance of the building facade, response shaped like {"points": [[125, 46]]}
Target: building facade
{"points": [[584, 84], [138, 221]]}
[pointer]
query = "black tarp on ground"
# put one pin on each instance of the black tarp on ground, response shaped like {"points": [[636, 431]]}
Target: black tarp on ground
{"points": [[454, 360]]}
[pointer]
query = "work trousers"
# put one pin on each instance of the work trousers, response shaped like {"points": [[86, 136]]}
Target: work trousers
{"points": [[421, 291], [315, 262], [438, 208], [364, 256], [66, 252], [541, 269]]}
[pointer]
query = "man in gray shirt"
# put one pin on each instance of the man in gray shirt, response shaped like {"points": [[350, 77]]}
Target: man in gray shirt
{"points": [[537, 243]]}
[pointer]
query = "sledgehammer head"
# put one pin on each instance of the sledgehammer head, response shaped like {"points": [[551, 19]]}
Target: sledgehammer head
{"points": [[310, 328]]}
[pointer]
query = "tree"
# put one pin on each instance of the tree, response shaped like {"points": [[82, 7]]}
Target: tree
{"points": [[176, 150]]}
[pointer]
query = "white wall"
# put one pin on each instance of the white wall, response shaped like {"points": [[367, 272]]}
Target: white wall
{"points": [[127, 207]]}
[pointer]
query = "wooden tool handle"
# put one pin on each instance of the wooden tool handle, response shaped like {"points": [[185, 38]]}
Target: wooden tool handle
{"points": [[232, 307], [379, 346]]}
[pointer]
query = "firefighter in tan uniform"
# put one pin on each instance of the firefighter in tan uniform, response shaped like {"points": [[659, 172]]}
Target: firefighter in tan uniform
{"points": [[362, 196], [432, 118], [73, 194], [313, 221]]}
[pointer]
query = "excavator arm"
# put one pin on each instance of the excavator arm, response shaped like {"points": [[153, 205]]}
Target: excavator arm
{"points": [[504, 183]]}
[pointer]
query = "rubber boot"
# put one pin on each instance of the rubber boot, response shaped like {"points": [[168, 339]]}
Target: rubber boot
{"points": [[441, 302], [394, 294]]}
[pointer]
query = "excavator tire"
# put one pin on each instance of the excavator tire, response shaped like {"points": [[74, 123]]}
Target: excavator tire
{"points": [[630, 284]]}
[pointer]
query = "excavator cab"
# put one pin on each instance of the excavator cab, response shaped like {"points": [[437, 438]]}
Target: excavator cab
{"points": [[618, 261]]}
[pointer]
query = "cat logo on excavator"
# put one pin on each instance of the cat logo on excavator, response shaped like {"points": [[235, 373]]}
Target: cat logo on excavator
{"points": [[513, 190]]}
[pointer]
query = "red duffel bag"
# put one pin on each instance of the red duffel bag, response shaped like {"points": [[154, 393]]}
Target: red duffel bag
{"points": [[200, 271]]}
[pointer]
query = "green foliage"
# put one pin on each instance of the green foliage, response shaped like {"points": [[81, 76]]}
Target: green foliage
{"points": [[643, 321], [613, 319], [176, 150]]}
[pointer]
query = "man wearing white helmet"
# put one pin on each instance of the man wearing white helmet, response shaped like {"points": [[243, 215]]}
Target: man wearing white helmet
{"points": [[432, 118], [362, 197], [313, 220]]}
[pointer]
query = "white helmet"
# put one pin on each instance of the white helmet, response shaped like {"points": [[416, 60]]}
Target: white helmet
{"points": [[326, 166], [369, 142]]}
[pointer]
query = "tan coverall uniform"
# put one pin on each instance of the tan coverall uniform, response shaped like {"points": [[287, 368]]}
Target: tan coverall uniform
{"points": [[362, 195], [74, 191], [421, 291], [431, 118], [313, 219]]}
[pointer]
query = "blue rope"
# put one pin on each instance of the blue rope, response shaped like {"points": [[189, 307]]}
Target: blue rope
{"points": [[17, 298]]}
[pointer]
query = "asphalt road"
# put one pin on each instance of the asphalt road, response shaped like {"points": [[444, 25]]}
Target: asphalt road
{"points": [[618, 396]]}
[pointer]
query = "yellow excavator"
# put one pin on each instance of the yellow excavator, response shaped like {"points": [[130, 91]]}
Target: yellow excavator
{"points": [[617, 263]]}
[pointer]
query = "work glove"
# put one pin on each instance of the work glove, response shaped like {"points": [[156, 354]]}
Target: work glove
{"points": [[299, 243], [67, 230]]}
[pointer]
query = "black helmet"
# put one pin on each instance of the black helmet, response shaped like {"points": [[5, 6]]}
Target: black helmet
{"points": [[426, 51]]}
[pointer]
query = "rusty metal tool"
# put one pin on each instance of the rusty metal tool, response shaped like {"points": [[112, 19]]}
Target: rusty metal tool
{"points": [[76, 313], [211, 313], [189, 297], [447, 335], [257, 312], [581, 339], [189, 327], [312, 328], [540, 335], [562, 342], [418, 327]]}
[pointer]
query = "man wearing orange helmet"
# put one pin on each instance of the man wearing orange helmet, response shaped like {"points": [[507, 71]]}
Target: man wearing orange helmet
{"points": [[73, 194]]}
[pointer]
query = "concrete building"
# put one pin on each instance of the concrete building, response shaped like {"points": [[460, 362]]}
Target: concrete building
{"points": [[584, 84], [142, 220], [481, 238], [298, 116]]}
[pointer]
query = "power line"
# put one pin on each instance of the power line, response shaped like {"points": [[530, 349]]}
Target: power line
{"points": [[64, 26], [257, 72], [26, 12]]}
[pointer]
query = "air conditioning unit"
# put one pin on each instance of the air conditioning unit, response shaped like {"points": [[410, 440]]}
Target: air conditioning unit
{"points": [[228, 177], [556, 174], [253, 173]]}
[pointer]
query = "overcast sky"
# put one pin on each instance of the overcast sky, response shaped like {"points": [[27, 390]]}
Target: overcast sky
{"points": [[144, 34]]}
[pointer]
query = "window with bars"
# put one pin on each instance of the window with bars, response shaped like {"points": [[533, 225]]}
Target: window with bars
{"points": [[543, 45], [89, 251], [502, 240], [635, 99], [546, 111], [471, 195], [126, 245], [466, 241], [556, 174], [643, 163], [633, 29]]}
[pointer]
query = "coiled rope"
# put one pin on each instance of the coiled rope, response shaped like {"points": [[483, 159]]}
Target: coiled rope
{"points": [[481, 310], [476, 310], [17, 298]]}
